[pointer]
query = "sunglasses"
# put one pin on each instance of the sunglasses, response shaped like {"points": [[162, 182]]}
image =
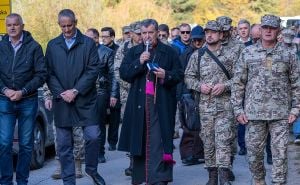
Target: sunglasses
{"points": [[185, 32]]}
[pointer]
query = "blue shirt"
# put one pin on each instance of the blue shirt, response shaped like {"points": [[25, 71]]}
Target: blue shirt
{"points": [[71, 41], [17, 45]]}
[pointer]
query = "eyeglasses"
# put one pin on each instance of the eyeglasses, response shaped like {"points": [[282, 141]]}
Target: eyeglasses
{"points": [[185, 32], [105, 36], [162, 35]]}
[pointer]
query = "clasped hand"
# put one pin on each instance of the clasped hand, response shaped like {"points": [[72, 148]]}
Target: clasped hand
{"points": [[214, 90], [68, 95]]}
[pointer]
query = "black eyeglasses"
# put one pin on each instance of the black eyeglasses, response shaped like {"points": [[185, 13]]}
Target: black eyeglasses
{"points": [[185, 32], [162, 35]]}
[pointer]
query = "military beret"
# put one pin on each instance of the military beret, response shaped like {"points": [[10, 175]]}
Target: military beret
{"points": [[270, 20]]}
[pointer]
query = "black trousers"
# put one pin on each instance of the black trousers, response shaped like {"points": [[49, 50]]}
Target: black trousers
{"points": [[110, 116]]}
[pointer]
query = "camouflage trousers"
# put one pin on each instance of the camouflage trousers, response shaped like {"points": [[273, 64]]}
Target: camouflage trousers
{"points": [[78, 150], [123, 100], [178, 117], [217, 134], [256, 136]]}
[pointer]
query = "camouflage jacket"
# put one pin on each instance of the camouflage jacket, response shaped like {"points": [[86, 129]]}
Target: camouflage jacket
{"points": [[266, 84], [124, 86], [211, 73]]}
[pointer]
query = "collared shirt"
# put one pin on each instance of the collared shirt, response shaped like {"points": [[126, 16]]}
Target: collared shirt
{"points": [[17, 45], [71, 41]]}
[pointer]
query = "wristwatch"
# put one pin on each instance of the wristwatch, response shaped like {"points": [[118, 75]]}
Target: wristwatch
{"points": [[75, 91]]}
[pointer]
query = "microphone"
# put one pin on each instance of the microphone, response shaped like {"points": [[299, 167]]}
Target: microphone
{"points": [[147, 45]]}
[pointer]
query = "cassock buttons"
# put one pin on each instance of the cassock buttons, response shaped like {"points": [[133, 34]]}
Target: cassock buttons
{"points": [[139, 106], [140, 90]]}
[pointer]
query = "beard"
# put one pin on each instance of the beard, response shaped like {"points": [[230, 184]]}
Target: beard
{"points": [[212, 43]]}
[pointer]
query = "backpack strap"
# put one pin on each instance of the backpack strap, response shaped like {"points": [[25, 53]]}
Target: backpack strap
{"points": [[219, 63], [201, 52]]}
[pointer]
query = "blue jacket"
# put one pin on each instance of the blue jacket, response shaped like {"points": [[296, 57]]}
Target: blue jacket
{"points": [[177, 43]]}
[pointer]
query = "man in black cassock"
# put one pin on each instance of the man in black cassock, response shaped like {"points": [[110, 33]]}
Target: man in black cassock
{"points": [[153, 69]]}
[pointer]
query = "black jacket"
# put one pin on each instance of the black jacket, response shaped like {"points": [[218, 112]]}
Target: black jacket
{"points": [[78, 68], [27, 70], [114, 47], [106, 82], [132, 133], [184, 59]]}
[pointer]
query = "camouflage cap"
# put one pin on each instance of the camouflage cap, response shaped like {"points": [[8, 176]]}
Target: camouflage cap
{"points": [[288, 35], [225, 22], [270, 20], [126, 29], [213, 25], [135, 27]]}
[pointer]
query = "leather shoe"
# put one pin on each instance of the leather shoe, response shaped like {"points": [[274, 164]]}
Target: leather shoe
{"points": [[112, 147], [101, 159], [97, 179], [243, 151], [191, 161], [231, 176], [269, 160]]}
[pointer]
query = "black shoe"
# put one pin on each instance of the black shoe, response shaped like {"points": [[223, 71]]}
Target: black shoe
{"points": [[97, 179], [128, 171], [269, 160], [112, 147], [101, 159], [231, 176], [243, 151], [191, 161]]}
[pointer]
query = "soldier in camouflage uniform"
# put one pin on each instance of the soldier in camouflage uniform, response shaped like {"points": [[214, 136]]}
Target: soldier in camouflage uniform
{"points": [[125, 35], [288, 36], [135, 39], [77, 136], [266, 79], [216, 114], [236, 46]]}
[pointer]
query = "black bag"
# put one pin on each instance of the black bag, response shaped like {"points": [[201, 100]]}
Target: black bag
{"points": [[191, 113]]}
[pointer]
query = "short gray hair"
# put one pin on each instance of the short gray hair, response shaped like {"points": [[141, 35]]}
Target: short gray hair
{"points": [[148, 22], [67, 13], [244, 21], [15, 15]]}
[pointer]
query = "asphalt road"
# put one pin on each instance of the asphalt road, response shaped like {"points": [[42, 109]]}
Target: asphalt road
{"points": [[113, 170]]}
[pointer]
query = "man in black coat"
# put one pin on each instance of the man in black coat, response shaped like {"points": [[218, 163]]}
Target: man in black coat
{"points": [[153, 69], [107, 91], [114, 105], [22, 72], [191, 145], [74, 66]]}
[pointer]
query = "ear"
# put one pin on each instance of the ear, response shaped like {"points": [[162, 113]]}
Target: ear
{"points": [[75, 22], [221, 35]]}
